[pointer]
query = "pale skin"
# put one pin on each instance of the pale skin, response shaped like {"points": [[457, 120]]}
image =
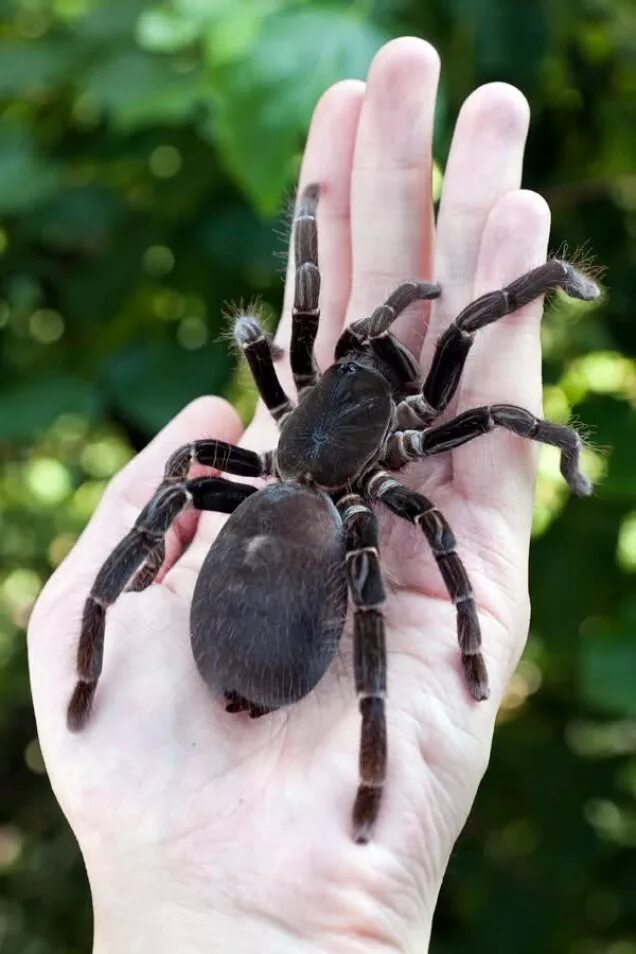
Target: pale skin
{"points": [[207, 831]]}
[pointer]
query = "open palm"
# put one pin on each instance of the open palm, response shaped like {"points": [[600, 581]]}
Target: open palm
{"points": [[195, 823]]}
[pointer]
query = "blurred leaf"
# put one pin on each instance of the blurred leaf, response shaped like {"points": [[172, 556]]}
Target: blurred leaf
{"points": [[26, 410], [235, 34], [151, 382], [77, 218], [33, 67], [612, 425], [25, 177], [504, 36], [606, 671], [226, 28], [109, 20], [263, 101], [234, 233], [165, 30], [136, 89]]}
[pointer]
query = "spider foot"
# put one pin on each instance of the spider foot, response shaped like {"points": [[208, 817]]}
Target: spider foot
{"points": [[577, 284], [365, 812], [476, 676], [80, 705], [469, 638], [577, 480]]}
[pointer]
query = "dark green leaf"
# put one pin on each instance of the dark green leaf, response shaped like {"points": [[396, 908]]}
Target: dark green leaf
{"points": [[263, 101], [26, 410], [29, 67], [136, 89], [607, 671], [151, 382], [26, 178]]}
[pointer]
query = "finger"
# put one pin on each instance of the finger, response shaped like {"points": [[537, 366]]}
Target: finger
{"points": [[127, 493], [391, 201], [327, 161], [504, 365], [485, 162]]}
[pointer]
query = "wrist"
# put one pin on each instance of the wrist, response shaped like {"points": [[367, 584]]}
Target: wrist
{"points": [[145, 918], [148, 915]]}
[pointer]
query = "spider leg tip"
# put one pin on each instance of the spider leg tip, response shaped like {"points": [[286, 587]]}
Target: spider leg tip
{"points": [[479, 691], [579, 285], [365, 812], [581, 486], [79, 706], [362, 832], [476, 676], [587, 289], [73, 724]]}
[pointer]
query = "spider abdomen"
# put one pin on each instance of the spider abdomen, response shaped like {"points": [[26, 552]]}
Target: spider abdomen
{"points": [[337, 429], [271, 598]]}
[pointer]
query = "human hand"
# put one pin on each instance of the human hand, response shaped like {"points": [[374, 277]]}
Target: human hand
{"points": [[203, 830]]}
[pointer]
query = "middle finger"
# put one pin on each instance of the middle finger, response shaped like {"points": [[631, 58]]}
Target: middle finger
{"points": [[391, 201]]}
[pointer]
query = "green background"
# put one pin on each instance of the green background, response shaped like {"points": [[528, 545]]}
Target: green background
{"points": [[145, 155]]}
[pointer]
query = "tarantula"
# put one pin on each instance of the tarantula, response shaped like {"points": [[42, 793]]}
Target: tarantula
{"points": [[271, 597]]}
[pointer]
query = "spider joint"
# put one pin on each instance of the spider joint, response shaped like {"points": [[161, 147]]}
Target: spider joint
{"points": [[353, 510], [354, 553], [463, 597], [363, 696], [380, 483], [97, 599]]}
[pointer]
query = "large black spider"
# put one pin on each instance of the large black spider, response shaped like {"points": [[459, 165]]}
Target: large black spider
{"points": [[271, 597]]}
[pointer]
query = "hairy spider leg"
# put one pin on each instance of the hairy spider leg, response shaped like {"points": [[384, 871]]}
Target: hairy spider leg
{"points": [[404, 366], [257, 349], [305, 311], [211, 453], [148, 570], [419, 510], [403, 446], [203, 493], [366, 588], [373, 332], [379, 322], [454, 344]]}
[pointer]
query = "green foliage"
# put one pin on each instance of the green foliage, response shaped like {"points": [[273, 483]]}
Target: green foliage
{"points": [[252, 56], [26, 178], [145, 153]]}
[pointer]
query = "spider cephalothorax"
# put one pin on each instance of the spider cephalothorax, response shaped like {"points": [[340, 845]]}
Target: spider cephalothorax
{"points": [[271, 597]]}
